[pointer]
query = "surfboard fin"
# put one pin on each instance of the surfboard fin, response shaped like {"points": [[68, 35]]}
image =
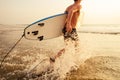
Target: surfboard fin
{"points": [[41, 24], [41, 38], [35, 32]]}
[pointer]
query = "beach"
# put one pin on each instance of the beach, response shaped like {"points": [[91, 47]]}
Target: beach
{"points": [[98, 56]]}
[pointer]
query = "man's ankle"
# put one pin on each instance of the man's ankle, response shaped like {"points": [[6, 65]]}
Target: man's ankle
{"points": [[52, 59]]}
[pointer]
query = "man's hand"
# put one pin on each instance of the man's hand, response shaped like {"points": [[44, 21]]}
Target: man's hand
{"points": [[68, 28]]}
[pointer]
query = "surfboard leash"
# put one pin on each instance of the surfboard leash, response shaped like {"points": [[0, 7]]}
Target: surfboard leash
{"points": [[11, 50], [19, 78]]}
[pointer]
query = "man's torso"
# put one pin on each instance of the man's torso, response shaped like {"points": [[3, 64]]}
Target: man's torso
{"points": [[75, 14]]}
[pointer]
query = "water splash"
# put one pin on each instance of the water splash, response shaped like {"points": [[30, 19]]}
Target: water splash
{"points": [[67, 62]]}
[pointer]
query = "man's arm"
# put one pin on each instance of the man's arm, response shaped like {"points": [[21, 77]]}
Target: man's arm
{"points": [[69, 17]]}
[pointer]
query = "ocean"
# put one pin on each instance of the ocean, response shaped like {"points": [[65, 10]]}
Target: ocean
{"points": [[96, 58]]}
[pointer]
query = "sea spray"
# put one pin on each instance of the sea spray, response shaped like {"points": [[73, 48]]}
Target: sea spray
{"points": [[58, 70], [35, 68], [67, 60], [92, 43]]}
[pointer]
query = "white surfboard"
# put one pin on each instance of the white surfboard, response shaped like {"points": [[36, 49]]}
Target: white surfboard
{"points": [[47, 28]]}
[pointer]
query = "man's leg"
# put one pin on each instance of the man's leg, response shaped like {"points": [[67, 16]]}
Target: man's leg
{"points": [[72, 35], [60, 53], [52, 59]]}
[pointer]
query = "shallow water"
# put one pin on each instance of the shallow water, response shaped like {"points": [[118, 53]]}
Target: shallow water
{"points": [[96, 58]]}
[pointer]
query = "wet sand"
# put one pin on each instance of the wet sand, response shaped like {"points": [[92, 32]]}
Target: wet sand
{"points": [[98, 57]]}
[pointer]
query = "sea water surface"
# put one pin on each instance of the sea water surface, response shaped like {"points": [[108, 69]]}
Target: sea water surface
{"points": [[96, 58]]}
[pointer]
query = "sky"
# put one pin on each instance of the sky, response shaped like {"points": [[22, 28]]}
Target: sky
{"points": [[28, 11]]}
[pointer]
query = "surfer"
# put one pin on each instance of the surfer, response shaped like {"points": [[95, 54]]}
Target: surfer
{"points": [[69, 30]]}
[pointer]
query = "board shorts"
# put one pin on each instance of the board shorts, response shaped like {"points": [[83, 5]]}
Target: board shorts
{"points": [[73, 34]]}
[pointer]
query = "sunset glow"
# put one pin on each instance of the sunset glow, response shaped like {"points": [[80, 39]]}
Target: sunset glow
{"points": [[28, 11]]}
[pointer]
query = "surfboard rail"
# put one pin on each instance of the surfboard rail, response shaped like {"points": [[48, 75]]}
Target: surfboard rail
{"points": [[46, 18]]}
